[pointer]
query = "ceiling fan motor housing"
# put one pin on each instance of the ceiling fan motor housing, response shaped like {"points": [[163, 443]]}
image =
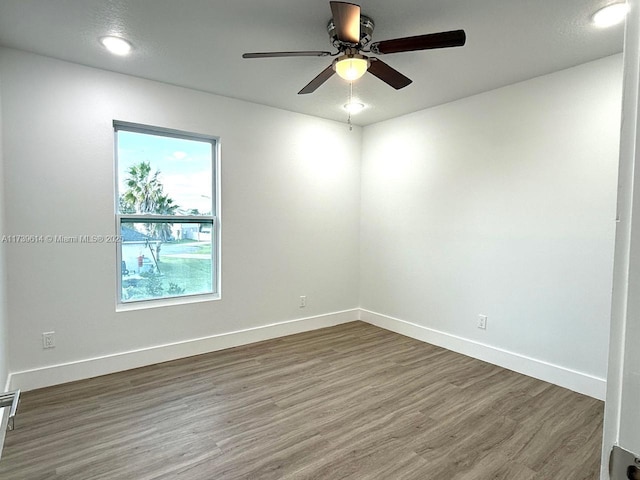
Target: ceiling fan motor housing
{"points": [[366, 31]]}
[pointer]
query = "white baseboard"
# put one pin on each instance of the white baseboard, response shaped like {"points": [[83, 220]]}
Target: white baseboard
{"points": [[577, 381], [92, 367]]}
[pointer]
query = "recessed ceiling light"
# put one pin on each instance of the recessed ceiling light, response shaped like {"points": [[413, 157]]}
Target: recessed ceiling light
{"points": [[353, 107], [610, 15], [116, 45]]}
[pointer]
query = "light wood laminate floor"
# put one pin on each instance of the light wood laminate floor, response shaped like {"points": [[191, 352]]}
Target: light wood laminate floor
{"points": [[347, 402]]}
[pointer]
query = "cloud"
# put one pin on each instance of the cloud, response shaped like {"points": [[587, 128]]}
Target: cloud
{"points": [[190, 190]]}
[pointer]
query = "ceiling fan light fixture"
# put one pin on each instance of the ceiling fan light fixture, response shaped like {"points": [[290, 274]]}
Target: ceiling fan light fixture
{"points": [[351, 67], [610, 15], [116, 45]]}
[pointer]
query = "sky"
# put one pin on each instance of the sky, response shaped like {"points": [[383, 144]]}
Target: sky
{"points": [[185, 166]]}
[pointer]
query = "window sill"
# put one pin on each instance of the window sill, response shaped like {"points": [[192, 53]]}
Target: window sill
{"points": [[166, 302]]}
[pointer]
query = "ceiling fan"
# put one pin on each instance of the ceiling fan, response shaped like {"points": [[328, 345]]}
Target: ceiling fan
{"points": [[350, 34]]}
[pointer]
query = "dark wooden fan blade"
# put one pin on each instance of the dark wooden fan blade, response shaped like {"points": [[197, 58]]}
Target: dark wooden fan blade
{"points": [[325, 75], [346, 18], [388, 74], [454, 38], [286, 54]]}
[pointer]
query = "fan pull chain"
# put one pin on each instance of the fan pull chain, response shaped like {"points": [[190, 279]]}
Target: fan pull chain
{"points": [[349, 103]]}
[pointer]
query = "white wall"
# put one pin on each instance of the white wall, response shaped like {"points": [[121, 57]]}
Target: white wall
{"points": [[4, 346], [500, 204], [290, 214]]}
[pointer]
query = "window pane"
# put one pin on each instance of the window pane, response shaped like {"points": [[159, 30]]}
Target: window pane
{"points": [[164, 175], [162, 259]]}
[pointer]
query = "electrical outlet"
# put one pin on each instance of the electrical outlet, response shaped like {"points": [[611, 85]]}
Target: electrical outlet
{"points": [[48, 339], [482, 322], [303, 301]]}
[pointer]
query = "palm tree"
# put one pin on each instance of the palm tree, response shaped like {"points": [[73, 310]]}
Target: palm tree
{"points": [[163, 206], [145, 194], [143, 188]]}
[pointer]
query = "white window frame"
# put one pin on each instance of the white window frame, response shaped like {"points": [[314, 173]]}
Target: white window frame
{"points": [[214, 218]]}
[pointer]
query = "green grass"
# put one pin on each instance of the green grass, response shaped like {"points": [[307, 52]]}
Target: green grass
{"points": [[191, 274], [178, 276]]}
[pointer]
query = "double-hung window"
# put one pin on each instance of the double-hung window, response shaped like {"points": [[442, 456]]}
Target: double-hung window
{"points": [[166, 214]]}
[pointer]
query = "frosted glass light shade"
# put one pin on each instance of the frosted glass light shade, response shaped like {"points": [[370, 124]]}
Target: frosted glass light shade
{"points": [[352, 68]]}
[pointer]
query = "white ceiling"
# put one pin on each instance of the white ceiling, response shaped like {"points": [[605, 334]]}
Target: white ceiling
{"points": [[199, 43]]}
